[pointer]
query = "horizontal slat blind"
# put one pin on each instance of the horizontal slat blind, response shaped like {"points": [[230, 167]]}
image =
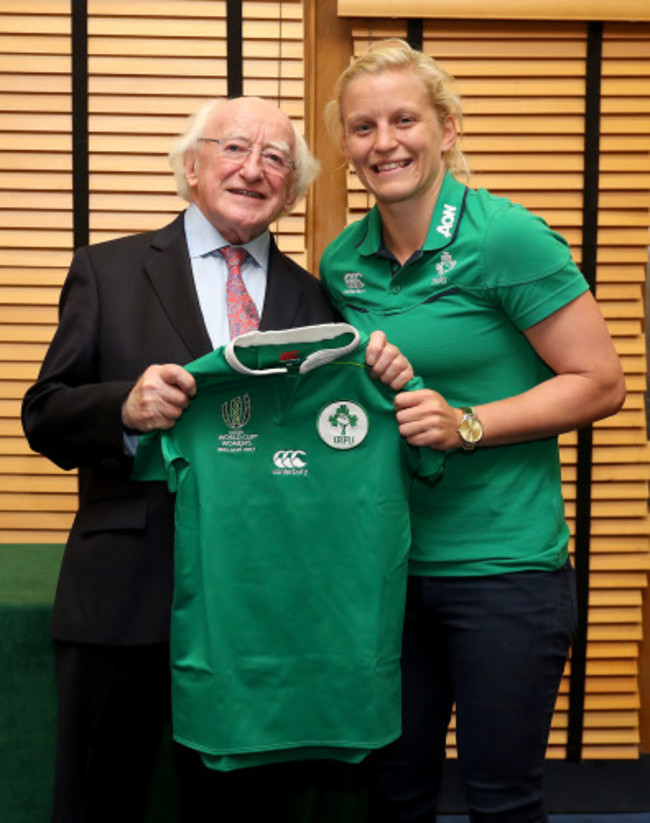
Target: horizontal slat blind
{"points": [[35, 245], [150, 64], [620, 525], [523, 88], [274, 69]]}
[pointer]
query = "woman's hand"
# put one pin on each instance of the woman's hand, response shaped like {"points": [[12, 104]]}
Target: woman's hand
{"points": [[426, 419], [387, 362]]}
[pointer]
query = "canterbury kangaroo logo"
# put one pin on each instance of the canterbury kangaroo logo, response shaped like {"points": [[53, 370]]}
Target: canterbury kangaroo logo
{"points": [[290, 459], [237, 412]]}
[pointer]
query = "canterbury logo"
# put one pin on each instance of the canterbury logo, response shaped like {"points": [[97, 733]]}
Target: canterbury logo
{"points": [[354, 281], [236, 412], [290, 459]]}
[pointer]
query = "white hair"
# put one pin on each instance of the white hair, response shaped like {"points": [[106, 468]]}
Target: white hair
{"points": [[306, 165]]}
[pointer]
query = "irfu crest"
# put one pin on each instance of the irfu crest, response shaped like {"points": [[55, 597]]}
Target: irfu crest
{"points": [[343, 417], [343, 424]]}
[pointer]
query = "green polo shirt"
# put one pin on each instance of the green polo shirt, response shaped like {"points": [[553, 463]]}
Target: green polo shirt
{"points": [[488, 270]]}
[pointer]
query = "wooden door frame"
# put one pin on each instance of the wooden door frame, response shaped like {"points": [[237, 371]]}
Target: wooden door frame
{"points": [[327, 53]]}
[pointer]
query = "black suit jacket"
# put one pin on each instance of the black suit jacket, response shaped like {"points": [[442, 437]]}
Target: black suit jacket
{"points": [[127, 304]]}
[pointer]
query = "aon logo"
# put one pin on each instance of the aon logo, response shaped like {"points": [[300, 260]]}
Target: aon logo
{"points": [[446, 226]]}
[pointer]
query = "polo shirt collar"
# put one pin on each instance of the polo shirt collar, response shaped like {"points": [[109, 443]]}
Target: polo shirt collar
{"points": [[372, 241], [447, 214], [444, 223]]}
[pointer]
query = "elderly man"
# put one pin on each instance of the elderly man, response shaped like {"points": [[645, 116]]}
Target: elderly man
{"points": [[132, 312]]}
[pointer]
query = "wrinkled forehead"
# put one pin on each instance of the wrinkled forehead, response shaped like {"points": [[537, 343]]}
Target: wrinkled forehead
{"points": [[254, 119]]}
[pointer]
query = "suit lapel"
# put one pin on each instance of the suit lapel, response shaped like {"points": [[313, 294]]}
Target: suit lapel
{"points": [[169, 269], [283, 292]]}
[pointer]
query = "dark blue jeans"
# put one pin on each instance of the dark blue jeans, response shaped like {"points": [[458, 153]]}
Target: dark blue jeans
{"points": [[496, 647]]}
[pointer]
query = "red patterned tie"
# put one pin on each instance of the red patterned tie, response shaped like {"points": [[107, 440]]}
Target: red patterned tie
{"points": [[242, 312]]}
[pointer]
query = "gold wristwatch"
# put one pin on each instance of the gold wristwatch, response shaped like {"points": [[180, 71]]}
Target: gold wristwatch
{"points": [[470, 429]]}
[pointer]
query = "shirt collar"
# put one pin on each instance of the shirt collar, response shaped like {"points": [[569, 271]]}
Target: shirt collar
{"points": [[444, 222], [446, 214], [203, 238]]}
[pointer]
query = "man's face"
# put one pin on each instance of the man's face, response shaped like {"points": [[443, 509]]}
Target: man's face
{"points": [[242, 196]]}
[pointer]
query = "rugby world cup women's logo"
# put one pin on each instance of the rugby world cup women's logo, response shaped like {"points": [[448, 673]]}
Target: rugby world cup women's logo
{"points": [[236, 412], [343, 424]]}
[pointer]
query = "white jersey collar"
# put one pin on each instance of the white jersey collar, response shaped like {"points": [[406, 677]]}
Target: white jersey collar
{"points": [[291, 337]]}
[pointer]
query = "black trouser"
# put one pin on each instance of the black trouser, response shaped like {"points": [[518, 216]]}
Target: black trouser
{"points": [[114, 703], [496, 646], [311, 791]]}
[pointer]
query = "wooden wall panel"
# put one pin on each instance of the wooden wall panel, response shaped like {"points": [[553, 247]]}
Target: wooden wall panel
{"points": [[500, 9]]}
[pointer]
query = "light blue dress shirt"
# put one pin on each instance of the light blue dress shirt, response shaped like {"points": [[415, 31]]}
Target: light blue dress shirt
{"points": [[210, 272]]}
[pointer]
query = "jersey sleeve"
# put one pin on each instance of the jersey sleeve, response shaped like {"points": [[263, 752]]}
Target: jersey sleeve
{"points": [[148, 461], [424, 463], [157, 459]]}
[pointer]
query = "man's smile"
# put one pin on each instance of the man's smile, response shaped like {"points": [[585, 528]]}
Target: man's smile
{"points": [[247, 193]]}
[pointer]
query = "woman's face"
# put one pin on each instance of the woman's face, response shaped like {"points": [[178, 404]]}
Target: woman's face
{"points": [[392, 136]]}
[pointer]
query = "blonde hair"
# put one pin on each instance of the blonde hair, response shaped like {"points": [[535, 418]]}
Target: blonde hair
{"points": [[306, 166], [397, 55]]}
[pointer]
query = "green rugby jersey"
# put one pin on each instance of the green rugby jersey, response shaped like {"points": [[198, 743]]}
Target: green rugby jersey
{"points": [[292, 536], [488, 270]]}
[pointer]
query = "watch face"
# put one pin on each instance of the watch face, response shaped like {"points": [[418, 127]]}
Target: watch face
{"points": [[471, 430]]}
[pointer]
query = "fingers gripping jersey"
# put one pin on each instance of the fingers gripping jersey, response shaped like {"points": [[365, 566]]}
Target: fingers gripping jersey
{"points": [[292, 536]]}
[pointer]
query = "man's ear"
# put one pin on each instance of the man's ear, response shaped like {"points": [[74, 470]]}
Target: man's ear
{"points": [[189, 164], [292, 193]]}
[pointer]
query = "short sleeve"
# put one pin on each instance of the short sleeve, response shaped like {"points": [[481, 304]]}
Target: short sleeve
{"points": [[528, 267], [520, 247], [528, 304], [426, 464], [156, 459], [149, 463]]}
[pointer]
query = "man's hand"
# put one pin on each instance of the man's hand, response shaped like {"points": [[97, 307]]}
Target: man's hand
{"points": [[159, 398], [387, 362]]}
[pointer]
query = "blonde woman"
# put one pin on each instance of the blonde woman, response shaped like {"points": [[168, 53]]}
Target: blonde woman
{"points": [[487, 304]]}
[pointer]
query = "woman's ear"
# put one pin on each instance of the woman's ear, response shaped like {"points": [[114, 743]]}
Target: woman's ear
{"points": [[449, 134], [344, 147]]}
